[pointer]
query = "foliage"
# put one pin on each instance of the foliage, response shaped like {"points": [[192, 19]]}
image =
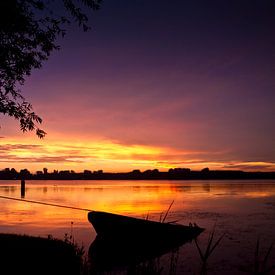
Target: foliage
{"points": [[28, 33], [261, 265], [208, 251]]}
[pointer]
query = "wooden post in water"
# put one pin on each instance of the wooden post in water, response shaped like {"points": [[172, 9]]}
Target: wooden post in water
{"points": [[23, 188]]}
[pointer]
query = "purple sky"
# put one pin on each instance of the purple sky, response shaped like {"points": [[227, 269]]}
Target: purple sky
{"points": [[194, 78]]}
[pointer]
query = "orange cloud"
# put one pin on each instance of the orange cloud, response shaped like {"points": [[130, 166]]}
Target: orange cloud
{"points": [[94, 154]]}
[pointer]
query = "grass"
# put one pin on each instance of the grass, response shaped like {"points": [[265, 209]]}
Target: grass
{"points": [[22, 254], [155, 266], [166, 214], [261, 266], [208, 251]]}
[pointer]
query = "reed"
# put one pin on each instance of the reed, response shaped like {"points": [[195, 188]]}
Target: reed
{"points": [[211, 246], [174, 262], [165, 216], [79, 251], [155, 266], [261, 265], [151, 267]]}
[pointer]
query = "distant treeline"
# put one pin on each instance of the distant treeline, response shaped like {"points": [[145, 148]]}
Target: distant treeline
{"points": [[155, 174]]}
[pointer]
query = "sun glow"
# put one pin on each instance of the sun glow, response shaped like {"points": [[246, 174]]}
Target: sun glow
{"points": [[95, 154], [111, 156]]}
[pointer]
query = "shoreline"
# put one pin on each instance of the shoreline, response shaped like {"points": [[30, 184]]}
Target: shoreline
{"points": [[172, 174], [25, 254]]}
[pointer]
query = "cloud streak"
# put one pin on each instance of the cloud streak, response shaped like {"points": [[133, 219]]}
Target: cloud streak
{"points": [[112, 156], [121, 97]]}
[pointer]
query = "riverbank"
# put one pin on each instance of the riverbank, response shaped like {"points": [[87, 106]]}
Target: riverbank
{"points": [[244, 210], [22, 254]]}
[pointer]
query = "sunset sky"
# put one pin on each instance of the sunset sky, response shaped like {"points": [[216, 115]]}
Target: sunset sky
{"points": [[155, 85]]}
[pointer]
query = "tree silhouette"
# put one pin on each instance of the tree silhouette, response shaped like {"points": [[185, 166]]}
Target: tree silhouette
{"points": [[28, 33]]}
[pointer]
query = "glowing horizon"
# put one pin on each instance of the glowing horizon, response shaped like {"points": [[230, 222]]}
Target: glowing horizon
{"points": [[110, 156], [119, 97]]}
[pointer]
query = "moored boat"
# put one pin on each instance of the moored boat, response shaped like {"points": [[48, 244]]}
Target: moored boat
{"points": [[109, 226]]}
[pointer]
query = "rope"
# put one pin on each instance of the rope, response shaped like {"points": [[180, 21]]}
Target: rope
{"points": [[45, 203]]}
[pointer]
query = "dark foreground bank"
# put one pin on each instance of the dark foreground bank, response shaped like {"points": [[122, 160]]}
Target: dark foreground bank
{"points": [[34, 255]]}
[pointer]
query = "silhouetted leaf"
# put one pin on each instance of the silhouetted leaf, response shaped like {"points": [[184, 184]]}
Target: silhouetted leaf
{"points": [[28, 33]]}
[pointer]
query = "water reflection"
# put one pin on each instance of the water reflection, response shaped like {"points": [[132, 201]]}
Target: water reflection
{"points": [[132, 198], [106, 255], [231, 203], [206, 187]]}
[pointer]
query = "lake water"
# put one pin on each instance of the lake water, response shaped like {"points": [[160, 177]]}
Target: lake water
{"points": [[242, 210]]}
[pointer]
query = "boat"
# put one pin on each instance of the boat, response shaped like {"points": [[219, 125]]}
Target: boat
{"points": [[110, 226], [124, 241]]}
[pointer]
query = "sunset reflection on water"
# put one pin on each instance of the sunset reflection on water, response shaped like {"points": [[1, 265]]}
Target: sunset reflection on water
{"points": [[137, 198], [243, 209]]}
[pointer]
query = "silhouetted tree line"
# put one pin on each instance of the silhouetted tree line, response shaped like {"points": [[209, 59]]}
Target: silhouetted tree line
{"points": [[155, 174]]}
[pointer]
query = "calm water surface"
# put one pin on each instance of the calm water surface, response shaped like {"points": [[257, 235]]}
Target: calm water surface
{"points": [[243, 210]]}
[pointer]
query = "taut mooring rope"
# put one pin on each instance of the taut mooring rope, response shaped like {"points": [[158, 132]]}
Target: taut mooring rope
{"points": [[45, 203]]}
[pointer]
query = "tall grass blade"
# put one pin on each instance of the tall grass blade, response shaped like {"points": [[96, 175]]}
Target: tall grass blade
{"points": [[267, 256], [167, 211], [160, 216], [256, 259], [216, 244], [199, 249], [207, 252]]}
